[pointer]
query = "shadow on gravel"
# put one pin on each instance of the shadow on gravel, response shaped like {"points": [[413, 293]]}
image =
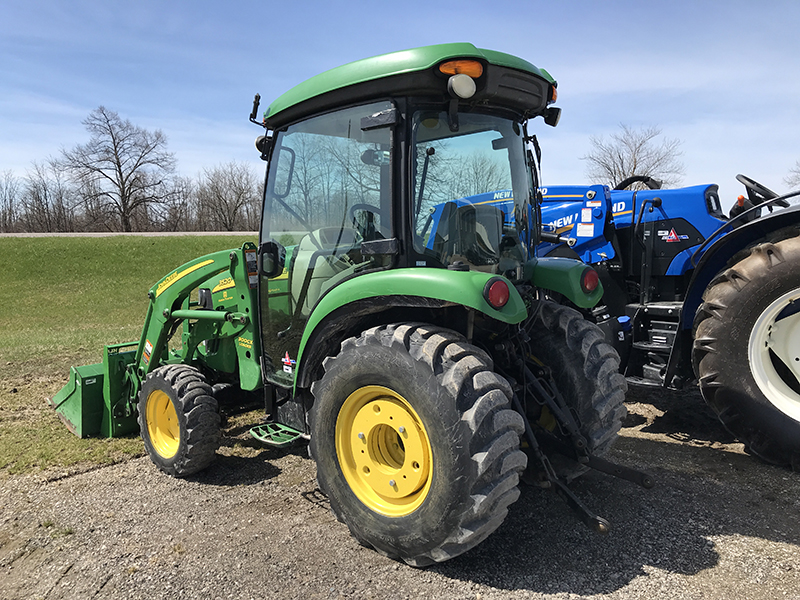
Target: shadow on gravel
{"points": [[700, 493], [686, 416], [230, 471]]}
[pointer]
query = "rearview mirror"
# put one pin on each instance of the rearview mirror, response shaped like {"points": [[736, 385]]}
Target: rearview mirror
{"points": [[376, 158]]}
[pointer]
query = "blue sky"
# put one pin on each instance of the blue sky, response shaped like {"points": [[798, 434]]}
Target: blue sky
{"points": [[722, 77]]}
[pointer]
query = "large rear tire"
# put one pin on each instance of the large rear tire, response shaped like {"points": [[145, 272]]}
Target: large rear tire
{"points": [[179, 420], [415, 444], [586, 370], [746, 351]]}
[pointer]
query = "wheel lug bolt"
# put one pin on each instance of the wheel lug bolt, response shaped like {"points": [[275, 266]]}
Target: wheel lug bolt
{"points": [[360, 435], [402, 429], [391, 483]]}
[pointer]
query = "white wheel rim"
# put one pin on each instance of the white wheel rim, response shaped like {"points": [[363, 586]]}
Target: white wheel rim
{"points": [[781, 334]]}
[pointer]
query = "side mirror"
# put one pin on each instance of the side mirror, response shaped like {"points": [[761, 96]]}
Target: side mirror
{"points": [[254, 112], [261, 146], [552, 116], [272, 259]]}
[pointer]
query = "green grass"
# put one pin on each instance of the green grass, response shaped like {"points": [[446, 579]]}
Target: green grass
{"points": [[61, 301]]}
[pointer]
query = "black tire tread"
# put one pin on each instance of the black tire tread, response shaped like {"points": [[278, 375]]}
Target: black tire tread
{"points": [[724, 293], [483, 399], [202, 420], [593, 368]]}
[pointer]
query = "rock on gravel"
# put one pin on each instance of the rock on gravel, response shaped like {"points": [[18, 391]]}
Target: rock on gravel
{"points": [[718, 524]]}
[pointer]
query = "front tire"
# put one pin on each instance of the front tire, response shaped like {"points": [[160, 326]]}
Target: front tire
{"points": [[179, 420], [746, 351], [415, 444]]}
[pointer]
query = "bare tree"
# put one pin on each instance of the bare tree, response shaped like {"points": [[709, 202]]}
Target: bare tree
{"points": [[477, 173], [97, 215], [228, 198], [793, 179], [634, 152], [9, 201], [347, 179], [123, 168], [307, 176], [177, 213], [48, 202]]}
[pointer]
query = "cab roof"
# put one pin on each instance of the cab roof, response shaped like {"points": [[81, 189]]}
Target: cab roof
{"points": [[358, 75]]}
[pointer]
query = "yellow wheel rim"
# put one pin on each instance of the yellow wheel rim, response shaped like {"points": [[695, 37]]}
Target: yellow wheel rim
{"points": [[384, 451], [162, 424]]}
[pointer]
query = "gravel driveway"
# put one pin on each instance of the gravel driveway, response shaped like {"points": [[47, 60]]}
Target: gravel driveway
{"points": [[718, 524]]}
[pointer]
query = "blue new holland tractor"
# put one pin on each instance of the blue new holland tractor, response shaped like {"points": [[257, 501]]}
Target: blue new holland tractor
{"points": [[690, 294]]}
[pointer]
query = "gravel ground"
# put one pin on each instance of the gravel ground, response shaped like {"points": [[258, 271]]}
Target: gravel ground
{"points": [[718, 524]]}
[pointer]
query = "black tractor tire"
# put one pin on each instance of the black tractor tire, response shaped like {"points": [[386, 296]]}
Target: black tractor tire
{"points": [[179, 420], [585, 368], [746, 372], [460, 459]]}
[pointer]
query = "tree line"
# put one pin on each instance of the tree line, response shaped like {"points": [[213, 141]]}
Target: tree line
{"points": [[124, 179]]}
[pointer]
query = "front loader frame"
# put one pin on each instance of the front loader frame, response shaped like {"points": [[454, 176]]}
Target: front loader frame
{"points": [[220, 329]]}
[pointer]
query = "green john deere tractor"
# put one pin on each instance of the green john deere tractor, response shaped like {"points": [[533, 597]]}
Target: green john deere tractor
{"points": [[413, 368]]}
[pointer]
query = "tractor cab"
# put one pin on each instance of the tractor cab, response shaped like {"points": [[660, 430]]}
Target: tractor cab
{"points": [[351, 191]]}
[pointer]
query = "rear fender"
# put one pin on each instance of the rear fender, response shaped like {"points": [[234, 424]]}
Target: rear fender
{"points": [[562, 275], [712, 262], [716, 257], [412, 287]]}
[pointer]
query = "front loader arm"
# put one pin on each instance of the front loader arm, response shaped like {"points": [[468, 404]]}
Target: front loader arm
{"points": [[231, 313]]}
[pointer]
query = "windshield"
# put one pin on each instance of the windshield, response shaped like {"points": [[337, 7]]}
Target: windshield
{"points": [[472, 191]]}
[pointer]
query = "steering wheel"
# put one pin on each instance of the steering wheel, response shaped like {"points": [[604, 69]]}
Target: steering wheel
{"points": [[759, 193], [375, 210]]}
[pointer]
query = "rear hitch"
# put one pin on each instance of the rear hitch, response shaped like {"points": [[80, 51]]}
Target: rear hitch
{"points": [[548, 478], [594, 522], [599, 464], [626, 473], [544, 389]]}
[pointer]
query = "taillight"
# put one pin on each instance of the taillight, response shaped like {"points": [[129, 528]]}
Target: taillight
{"points": [[589, 280], [496, 292]]}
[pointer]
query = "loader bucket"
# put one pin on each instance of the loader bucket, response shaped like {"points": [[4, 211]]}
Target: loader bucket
{"points": [[95, 400]]}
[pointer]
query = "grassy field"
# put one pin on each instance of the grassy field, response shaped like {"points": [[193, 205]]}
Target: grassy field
{"points": [[61, 301]]}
